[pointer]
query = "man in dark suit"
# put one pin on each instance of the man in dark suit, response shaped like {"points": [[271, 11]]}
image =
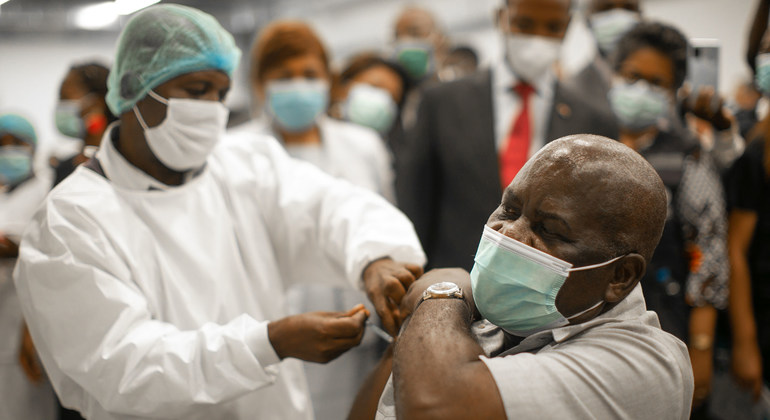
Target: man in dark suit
{"points": [[472, 135]]}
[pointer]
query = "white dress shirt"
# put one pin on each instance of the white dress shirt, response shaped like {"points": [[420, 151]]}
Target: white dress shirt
{"points": [[507, 106]]}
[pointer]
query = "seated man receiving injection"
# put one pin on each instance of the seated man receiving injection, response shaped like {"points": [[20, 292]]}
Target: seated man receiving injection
{"points": [[561, 329]]}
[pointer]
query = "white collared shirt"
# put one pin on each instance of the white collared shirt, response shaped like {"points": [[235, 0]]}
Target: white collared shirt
{"points": [[619, 365], [507, 105]]}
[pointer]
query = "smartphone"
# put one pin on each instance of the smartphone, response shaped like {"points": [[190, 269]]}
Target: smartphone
{"points": [[703, 67]]}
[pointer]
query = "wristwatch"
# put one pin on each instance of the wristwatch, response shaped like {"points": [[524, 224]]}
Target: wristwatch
{"points": [[442, 290]]}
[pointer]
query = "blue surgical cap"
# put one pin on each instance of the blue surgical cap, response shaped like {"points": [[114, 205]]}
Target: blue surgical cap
{"points": [[18, 127], [163, 42]]}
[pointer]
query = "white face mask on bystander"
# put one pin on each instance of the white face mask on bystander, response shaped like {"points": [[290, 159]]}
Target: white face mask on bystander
{"points": [[530, 57]]}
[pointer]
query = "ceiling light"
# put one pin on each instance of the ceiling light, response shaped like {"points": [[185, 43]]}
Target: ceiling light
{"points": [[96, 16], [102, 15]]}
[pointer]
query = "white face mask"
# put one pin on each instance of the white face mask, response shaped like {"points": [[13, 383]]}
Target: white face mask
{"points": [[530, 57], [609, 26], [370, 106], [189, 132], [639, 105]]}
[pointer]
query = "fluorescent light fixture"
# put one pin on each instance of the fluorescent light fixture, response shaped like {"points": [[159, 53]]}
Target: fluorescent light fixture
{"points": [[96, 16], [4, 1], [102, 15], [126, 7]]}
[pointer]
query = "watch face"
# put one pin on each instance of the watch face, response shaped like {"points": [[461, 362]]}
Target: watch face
{"points": [[444, 288]]}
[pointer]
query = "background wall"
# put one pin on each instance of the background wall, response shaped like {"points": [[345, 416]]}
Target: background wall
{"points": [[32, 63]]}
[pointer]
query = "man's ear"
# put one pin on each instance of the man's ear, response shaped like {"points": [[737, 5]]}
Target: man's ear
{"points": [[628, 271]]}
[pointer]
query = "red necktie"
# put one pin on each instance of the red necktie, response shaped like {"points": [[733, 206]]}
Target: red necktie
{"points": [[516, 151]]}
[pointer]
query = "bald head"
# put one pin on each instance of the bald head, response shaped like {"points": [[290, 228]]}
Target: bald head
{"points": [[609, 182], [415, 22]]}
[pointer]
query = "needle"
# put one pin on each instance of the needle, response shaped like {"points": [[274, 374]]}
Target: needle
{"points": [[379, 331]]}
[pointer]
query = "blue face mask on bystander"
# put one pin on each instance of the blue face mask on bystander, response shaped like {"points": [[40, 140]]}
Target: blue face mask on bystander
{"points": [[15, 164], [295, 104]]}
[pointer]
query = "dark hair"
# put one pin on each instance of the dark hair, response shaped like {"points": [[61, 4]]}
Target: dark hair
{"points": [[283, 40], [661, 37], [465, 51], [94, 75], [365, 61]]}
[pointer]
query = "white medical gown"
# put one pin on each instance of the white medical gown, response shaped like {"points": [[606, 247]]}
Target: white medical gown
{"points": [[347, 151], [19, 398], [155, 304], [358, 155]]}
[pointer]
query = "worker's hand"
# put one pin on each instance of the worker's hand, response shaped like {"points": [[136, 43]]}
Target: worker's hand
{"points": [[386, 283], [747, 366], [8, 248], [702, 370], [318, 336], [457, 276], [28, 358]]}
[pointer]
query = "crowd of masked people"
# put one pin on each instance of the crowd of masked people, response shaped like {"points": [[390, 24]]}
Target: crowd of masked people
{"points": [[422, 125]]}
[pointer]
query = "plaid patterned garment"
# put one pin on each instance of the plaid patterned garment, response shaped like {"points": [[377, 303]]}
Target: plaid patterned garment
{"points": [[701, 209]]}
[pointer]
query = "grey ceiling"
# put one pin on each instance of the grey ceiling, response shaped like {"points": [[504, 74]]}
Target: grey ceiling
{"points": [[46, 16]]}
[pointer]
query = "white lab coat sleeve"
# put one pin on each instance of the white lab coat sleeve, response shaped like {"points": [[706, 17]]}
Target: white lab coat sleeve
{"points": [[320, 223], [93, 324], [386, 172]]}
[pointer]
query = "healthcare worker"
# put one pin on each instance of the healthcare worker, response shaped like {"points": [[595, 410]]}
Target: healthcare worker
{"points": [[24, 391], [82, 113], [290, 80], [152, 279]]}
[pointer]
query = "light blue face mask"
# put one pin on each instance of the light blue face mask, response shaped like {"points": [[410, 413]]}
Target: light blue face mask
{"points": [[371, 107], [68, 120], [515, 286], [295, 104], [15, 164], [638, 105], [762, 77], [609, 26]]}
